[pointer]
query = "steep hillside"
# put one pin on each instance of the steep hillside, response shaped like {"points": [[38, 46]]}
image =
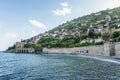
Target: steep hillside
{"points": [[93, 29], [94, 19]]}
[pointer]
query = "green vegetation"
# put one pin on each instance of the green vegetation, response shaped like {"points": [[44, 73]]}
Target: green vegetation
{"points": [[116, 36], [11, 47], [106, 36], [70, 41], [38, 47], [67, 41]]}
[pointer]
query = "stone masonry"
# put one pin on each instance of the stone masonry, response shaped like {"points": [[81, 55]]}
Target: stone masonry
{"points": [[108, 49]]}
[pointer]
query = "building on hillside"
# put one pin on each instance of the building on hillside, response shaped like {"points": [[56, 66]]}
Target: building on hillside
{"points": [[19, 45], [98, 29], [83, 24], [34, 40], [97, 14], [55, 35], [115, 30], [118, 24], [110, 12], [19, 48], [108, 18], [99, 40], [24, 50], [87, 40]]}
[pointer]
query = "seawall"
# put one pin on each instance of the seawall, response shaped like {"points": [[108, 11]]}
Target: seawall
{"points": [[108, 49]]}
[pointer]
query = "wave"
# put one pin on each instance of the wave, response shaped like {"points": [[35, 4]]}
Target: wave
{"points": [[102, 58]]}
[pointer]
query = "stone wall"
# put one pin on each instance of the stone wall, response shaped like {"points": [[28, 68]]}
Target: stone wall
{"points": [[117, 49], [94, 50], [24, 50], [108, 49]]}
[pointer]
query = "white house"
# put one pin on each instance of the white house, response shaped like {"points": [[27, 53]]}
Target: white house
{"points": [[99, 40]]}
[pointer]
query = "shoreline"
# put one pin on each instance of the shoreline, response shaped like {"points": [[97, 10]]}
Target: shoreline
{"points": [[107, 49], [112, 59], [103, 58]]}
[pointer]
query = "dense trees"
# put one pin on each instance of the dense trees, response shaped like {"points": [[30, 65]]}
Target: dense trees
{"points": [[71, 41], [67, 41], [11, 47], [75, 41], [38, 47], [106, 36], [116, 36]]}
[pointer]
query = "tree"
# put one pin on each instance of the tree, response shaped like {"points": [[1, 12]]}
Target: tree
{"points": [[119, 38], [116, 34], [91, 34], [38, 47], [84, 36], [84, 28], [106, 36], [12, 47], [97, 35]]}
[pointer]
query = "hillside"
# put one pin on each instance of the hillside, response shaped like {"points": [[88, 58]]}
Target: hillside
{"points": [[93, 29], [94, 19]]}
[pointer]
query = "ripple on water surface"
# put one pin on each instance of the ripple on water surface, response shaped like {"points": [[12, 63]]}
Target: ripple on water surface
{"points": [[56, 67]]}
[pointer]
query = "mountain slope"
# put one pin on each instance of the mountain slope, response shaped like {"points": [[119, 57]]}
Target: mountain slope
{"points": [[93, 18], [92, 29]]}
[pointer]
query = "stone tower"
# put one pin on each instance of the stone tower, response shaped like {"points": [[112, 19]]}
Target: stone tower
{"points": [[109, 49]]}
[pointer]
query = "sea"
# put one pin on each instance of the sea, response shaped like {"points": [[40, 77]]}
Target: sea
{"points": [[57, 67]]}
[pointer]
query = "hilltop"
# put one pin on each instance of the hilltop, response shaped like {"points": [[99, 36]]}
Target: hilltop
{"points": [[93, 29]]}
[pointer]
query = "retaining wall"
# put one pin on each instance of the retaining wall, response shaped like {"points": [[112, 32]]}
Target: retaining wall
{"points": [[104, 50], [94, 50]]}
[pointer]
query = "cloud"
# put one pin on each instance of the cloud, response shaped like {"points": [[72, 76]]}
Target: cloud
{"points": [[113, 3], [64, 4], [37, 24], [11, 35], [64, 11]]}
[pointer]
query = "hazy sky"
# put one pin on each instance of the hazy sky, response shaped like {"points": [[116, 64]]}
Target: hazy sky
{"points": [[22, 19]]}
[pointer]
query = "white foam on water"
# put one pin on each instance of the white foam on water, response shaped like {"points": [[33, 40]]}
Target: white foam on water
{"points": [[106, 59]]}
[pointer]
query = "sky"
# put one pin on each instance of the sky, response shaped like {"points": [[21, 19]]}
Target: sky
{"points": [[23, 19]]}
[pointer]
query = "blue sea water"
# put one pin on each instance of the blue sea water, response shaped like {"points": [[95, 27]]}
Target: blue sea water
{"points": [[56, 67]]}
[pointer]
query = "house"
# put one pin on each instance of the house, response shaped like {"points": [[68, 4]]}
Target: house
{"points": [[118, 24], [54, 35], [99, 40], [110, 12], [83, 24], [98, 29], [83, 41], [87, 40], [108, 18], [65, 33], [61, 37], [34, 40], [19, 45], [97, 14]]}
